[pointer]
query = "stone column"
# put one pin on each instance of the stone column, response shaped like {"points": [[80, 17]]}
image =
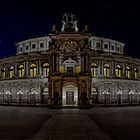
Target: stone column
{"points": [[86, 63], [101, 68], [124, 70], [82, 63], [26, 68], [138, 71], [15, 70], [47, 44], [53, 62], [39, 68], [113, 68], [7, 71], [50, 63], [132, 71], [0, 71], [57, 63]]}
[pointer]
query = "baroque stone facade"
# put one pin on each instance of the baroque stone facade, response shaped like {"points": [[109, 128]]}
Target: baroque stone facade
{"points": [[69, 68]]}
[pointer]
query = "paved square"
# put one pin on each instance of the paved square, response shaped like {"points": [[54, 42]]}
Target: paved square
{"points": [[100, 123]]}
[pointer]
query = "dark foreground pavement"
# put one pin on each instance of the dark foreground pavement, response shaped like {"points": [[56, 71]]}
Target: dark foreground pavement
{"points": [[100, 123], [70, 127]]}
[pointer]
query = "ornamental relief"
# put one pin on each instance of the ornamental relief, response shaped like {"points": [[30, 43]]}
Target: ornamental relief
{"points": [[69, 48]]}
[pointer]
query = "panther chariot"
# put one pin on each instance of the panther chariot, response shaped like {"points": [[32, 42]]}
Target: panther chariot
{"points": [[69, 23]]}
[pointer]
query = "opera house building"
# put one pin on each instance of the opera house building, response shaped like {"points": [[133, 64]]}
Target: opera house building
{"points": [[69, 68]]}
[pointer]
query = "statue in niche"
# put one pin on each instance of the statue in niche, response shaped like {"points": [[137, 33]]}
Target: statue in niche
{"points": [[69, 23]]}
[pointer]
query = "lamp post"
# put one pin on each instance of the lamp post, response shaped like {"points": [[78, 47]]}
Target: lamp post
{"points": [[131, 93], [119, 93], [33, 94], [105, 93], [139, 97], [8, 93], [20, 93], [94, 97], [0, 97]]}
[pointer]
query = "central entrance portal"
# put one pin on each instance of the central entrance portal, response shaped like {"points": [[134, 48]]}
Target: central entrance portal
{"points": [[70, 95]]}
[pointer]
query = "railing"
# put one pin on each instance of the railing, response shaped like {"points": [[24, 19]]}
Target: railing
{"points": [[24, 77]]}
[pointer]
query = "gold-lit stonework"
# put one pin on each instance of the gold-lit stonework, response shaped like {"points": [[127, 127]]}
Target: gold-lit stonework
{"points": [[69, 68]]}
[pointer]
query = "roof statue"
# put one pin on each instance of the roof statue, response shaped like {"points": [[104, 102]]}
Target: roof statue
{"points": [[69, 23]]}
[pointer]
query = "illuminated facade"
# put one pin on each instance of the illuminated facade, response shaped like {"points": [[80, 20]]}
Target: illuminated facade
{"points": [[69, 68]]}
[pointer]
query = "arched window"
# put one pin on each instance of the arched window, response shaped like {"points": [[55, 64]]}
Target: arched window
{"points": [[11, 71], [106, 70], [46, 69], [21, 71], [33, 70], [3, 72], [136, 73], [118, 71], [128, 72], [93, 70]]}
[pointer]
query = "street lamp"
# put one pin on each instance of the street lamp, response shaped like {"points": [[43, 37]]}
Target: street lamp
{"points": [[20, 93], [131, 93], [105, 93], [94, 95], [8, 93], [33, 94], [139, 97], [0, 97], [119, 93]]}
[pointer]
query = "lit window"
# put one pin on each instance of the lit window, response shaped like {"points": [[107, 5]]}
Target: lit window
{"points": [[78, 69], [136, 73], [106, 70], [128, 72], [46, 69], [11, 71], [3, 72], [93, 70], [118, 71], [21, 71], [33, 70]]}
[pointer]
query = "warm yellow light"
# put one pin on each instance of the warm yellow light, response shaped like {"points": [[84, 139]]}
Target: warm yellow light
{"points": [[118, 71], [33, 70], [61, 69], [46, 69], [106, 70], [21, 71], [78, 69], [11, 71]]}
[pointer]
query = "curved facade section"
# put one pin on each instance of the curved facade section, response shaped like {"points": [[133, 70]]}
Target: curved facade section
{"points": [[106, 45], [33, 45], [69, 68]]}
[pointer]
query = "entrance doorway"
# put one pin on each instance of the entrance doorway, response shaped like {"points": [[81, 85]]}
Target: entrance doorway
{"points": [[70, 95]]}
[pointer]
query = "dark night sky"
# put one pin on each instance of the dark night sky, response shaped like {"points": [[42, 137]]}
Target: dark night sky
{"points": [[116, 19]]}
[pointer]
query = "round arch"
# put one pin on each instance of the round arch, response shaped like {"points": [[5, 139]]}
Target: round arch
{"points": [[70, 94]]}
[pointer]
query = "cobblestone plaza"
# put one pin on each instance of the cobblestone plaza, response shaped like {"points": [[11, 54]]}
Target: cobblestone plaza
{"points": [[100, 123]]}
